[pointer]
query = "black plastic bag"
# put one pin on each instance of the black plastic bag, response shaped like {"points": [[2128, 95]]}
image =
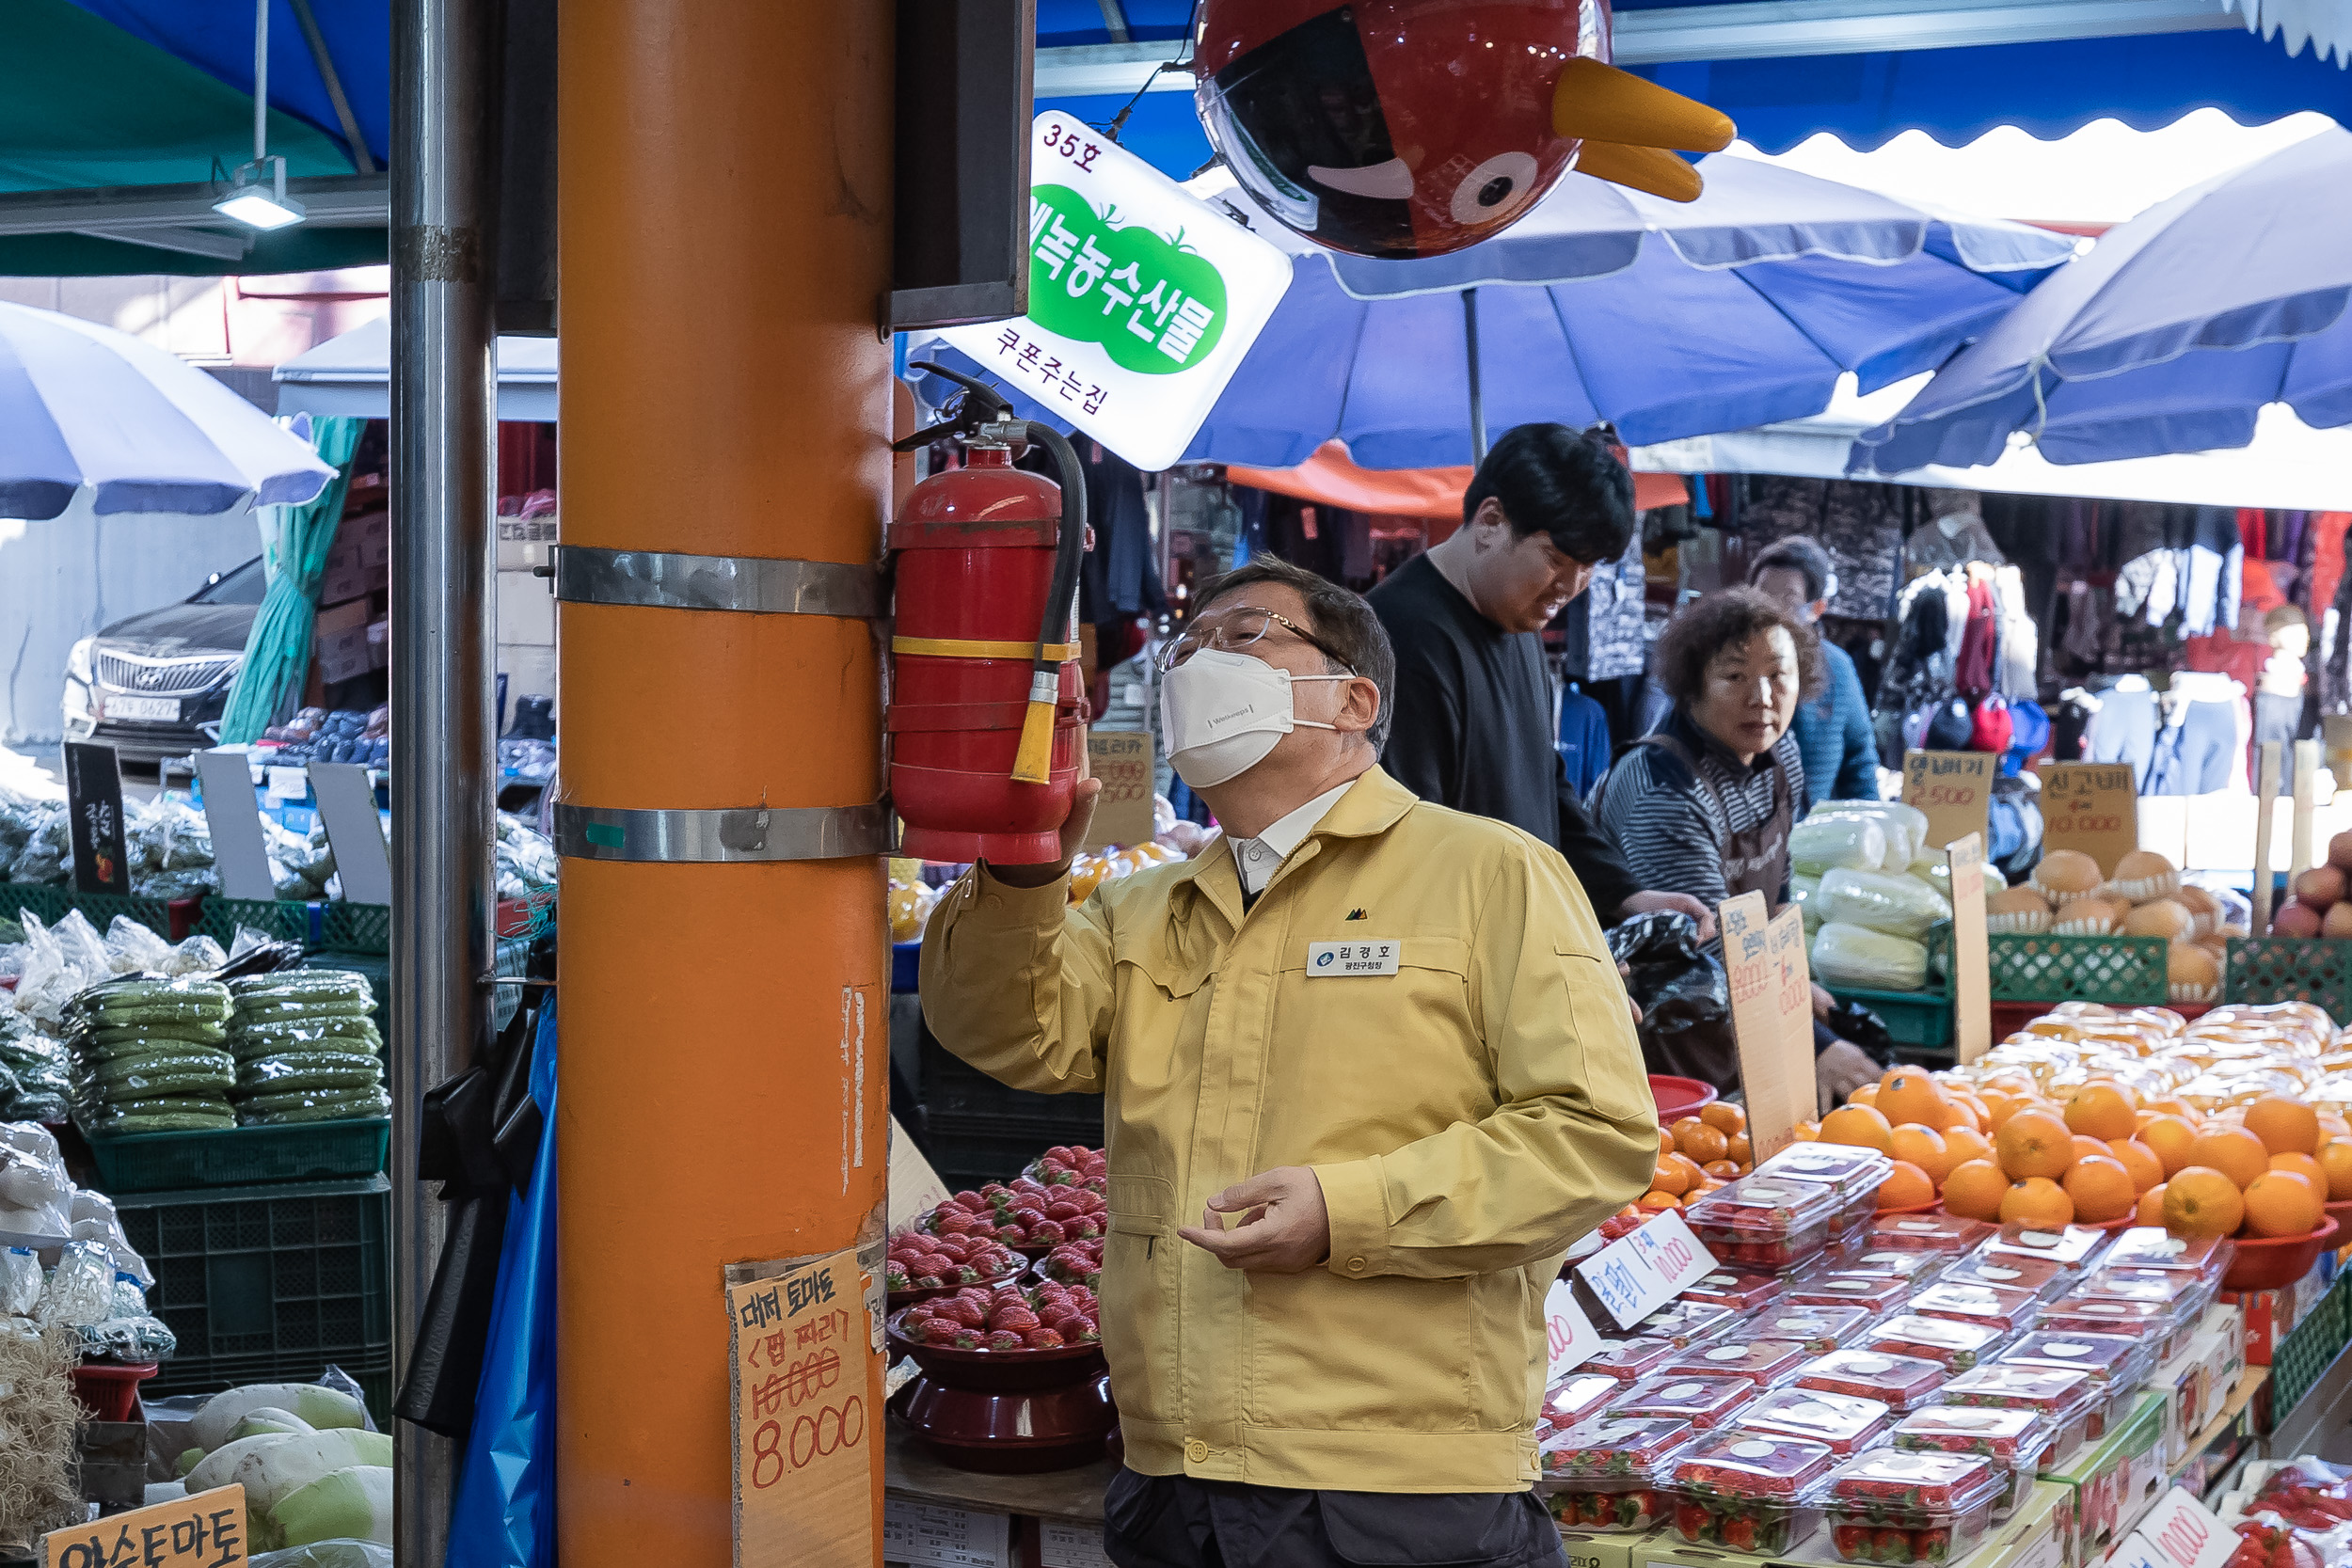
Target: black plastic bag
{"points": [[1856, 1024], [1686, 1007]]}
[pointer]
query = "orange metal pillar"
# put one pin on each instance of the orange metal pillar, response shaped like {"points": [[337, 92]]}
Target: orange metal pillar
{"points": [[725, 208]]}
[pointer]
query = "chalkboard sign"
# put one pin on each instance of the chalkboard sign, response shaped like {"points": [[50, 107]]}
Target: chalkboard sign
{"points": [[93, 788]]}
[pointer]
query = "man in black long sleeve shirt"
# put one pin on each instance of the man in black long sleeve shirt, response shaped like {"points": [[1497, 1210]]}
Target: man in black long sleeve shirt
{"points": [[1471, 725]]}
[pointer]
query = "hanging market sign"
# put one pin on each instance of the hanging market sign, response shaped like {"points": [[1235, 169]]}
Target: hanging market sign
{"points": [[1143, 297]]}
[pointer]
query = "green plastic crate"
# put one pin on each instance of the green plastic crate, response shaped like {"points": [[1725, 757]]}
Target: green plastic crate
{"points": [[320, 924], [2121, 971], [238, 1156], [2303, 1357], [2292, 968], [170, 919], [1916, 1020], [51, 902], [269, 1284]]}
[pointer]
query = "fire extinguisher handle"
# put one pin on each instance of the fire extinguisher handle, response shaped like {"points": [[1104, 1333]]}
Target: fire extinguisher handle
{"points": [[980, 404], [1033, 763]]}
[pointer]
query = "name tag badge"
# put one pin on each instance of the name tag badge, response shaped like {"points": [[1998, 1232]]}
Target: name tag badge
{"points": [[1330, 959]]}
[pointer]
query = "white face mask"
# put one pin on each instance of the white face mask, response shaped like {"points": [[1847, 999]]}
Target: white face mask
{"points": [[1222, 712]]}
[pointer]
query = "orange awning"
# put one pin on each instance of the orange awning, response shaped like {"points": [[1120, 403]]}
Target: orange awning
{"points": [[1333, 479]]}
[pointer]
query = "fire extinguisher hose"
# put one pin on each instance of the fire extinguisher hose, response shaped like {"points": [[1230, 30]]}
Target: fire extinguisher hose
{"points": [[1033, 763]]}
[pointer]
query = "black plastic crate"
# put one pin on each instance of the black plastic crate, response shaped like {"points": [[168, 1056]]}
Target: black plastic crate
{"points": [[970, 1151], [269, 1284], [951, 1087]]}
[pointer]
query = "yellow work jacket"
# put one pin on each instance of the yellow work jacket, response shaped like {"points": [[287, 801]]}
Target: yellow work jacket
{"points": [[1468, 1115]]}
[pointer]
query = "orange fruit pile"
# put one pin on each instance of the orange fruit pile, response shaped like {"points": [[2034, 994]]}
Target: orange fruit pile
{"points": [[1698, 1154]]}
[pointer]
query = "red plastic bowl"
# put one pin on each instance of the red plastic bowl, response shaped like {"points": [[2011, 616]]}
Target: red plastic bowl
{"points": [[2266, 1263], [110, 1390], [933, 1293], [1678, 1097], [993, 1370], [1011, 1433]]}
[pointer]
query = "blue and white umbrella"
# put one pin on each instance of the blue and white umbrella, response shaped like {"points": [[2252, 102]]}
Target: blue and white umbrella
{"points": [[84, 406], [1666, 319], [2171, 335]]}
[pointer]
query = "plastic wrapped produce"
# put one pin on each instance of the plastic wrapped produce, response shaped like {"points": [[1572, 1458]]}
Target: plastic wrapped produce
{"points": [[1898, 906], [1855, 843], [2015, 1441], [1903, 839], [1610, 1472], [1800, 892], [1695, 1398], [80, 1290], [1895, 1506], [1857, 956], [306, 1049], [1902, 1383], [1750, 1491], [148, 1056]]}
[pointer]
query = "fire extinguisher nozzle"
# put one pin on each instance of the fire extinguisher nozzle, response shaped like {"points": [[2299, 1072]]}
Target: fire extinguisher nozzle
{"points": [[1034, 762]]}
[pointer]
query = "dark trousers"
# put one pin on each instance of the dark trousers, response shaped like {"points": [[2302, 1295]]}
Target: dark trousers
{"points": [[1177, 1522]]}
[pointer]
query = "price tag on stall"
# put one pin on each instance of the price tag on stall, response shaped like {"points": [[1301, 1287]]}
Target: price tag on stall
{"points": [[1972, 984], [1573, 1339], [2178, 1532], [205, 1530], [806, 1435], [1953, 788], [93, 788], [1122, 813], [1772, 1017], [1636, 1276], [2093, 807]]}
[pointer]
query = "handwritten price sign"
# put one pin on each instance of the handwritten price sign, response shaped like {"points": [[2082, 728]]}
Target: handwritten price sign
{"points": [[1771, 1017], [2093, 807], [1640, 1274], [1573, 1339], [206, 1530], [1972, 981], [1122, 813], [804, 1430], [2178, 1532], [1954, 788]]}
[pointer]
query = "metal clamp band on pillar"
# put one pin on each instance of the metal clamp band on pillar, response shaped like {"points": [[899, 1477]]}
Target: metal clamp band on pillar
{"points": [[737, 834], [748, 584]]}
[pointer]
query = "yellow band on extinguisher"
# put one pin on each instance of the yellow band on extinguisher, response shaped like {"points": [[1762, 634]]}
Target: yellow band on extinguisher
{"points": [[959, 647]]}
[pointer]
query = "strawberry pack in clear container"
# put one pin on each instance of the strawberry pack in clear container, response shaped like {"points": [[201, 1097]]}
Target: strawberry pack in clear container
{"points": [[1703, 1402], [1758, 1361], [1826, 1285], [1853, 1173], [1902, 1383], [2078, 1312], [1820, 1328], [2070, 1246], [2149, 1246], [1574, 1397], [1897, 1507], [1735, 1291], [2044, 1278], [1956, 1345], [1765, 1224], [1611, 1472], [1842, 1423], [1947, 1234], [2006, 1308], [1627, 1359], [2115, 1360], [2073, 1402], [1750, 1491], [1913, 1268], [1684, 1323], [2016, 1439]]}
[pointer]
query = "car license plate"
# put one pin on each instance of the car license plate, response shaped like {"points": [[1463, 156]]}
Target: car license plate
{"points": [[165, 709]]}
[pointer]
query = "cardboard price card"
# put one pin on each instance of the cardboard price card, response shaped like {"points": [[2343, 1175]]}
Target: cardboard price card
{"points": [[1143, 297], [805, 1436], [1640, 1272], [1772, 1017], [1122, 813], [2178, 1532], [2093, 807], [205, 1530], [1972, 983], [1953, 788], [1572, 1338]]}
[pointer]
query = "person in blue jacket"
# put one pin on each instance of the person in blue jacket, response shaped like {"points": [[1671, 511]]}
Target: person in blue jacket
{"points": [[1832, 730]]}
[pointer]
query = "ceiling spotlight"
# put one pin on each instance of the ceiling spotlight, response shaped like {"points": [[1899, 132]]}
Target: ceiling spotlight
{"points": [[257, 196]]}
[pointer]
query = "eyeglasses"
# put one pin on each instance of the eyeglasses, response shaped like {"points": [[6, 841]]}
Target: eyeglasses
{"points": [[1237, 631]]}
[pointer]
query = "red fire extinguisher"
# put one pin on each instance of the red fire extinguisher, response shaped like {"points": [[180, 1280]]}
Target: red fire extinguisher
{"points": [[987, 706]]}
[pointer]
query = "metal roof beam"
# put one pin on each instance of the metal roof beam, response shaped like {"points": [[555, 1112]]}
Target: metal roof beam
{"points": [[117, 212]]}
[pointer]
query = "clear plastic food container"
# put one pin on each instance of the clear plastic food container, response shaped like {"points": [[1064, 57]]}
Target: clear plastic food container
{"points": [[2190, 1293], [1764, 1224], [2151, 1246], [1701, 1399], [1839, 1422], [1902, 1383], [1915, 1267], [1820, 1328], [2016, 1439], [2069, 1246], [1892, 1506], [1760, 1362], [1685, 1323], [2006, 1308], [2080, 1313], [2069, 1397], [1929, 1232], [1734, 1291], [1958, 1345], [1876, 1294], [1574, 1397], [2038, 1275], [1853, 1173], [2112, 1360], [1750, 1491], [1610, 1472], [1627, 1359]]}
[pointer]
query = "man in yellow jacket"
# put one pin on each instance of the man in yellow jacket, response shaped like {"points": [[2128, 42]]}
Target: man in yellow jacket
{"points": [[1368, 1070]]}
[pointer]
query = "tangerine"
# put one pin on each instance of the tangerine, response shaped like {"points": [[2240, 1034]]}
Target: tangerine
{"points": [[1980, 1115], [1907, 1094], [2037, 1201], [1905, 1187], [1965, 1143], [1999, 1105], [2233, 1151], [2170, 1137], [1807, 1132], [1724, 1117], [1681, 1130], [2333, 1126], [2034, 1143], [2283, 1203], [2199, 1200], [1691, 1174], [2146, 1171], [2335, 1158], [2089, 1147], [2103, 1110], [1653, 1201], [1924, 1148], [1862, 1126], [1669, 1177], [1703, 1143], [2151, 1209], [1735, 1149], [2100, 1189], [1867, 1095], [1665, 1142], [1974, 1190], [1723, 1170], [2304, 1166], [2173, 1106], [2284, 1126]]}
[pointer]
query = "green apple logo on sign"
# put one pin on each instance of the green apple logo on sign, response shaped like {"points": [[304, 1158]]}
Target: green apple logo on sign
{"points": [[1156, 305]]}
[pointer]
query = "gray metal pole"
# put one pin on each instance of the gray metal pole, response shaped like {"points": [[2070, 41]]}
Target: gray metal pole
{"points": [[443, 484], [1477, 392]]}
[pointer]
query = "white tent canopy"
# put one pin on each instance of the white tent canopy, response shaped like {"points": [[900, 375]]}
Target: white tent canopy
{"points": [[352, 374]]}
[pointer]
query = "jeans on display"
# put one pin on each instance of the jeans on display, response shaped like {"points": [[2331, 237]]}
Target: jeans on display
{"points": [[2124, 730], [2193, 756]]}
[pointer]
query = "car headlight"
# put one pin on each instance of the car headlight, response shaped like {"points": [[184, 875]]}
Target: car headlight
{"points": [[77, 662]]}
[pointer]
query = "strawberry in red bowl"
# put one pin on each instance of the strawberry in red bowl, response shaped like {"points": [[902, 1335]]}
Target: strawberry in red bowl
{"points": [[1004, 1338], [921, 1267]]}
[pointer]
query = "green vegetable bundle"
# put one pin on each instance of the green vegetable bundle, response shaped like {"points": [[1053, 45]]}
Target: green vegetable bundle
{"points": [[306, 1050], [149, 1055]]}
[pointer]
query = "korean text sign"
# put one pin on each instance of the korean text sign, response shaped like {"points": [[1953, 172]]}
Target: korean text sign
{"points": [[1143, 297], [804, 1429], [1640, 1272], [1953, 788], [1771, 1017], [205, 1530], [2093, 807]]}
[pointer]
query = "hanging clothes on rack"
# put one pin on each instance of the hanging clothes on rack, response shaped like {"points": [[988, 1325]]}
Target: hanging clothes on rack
{"points": [[2199, 745], [1603, 624], [2122, 725]]}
